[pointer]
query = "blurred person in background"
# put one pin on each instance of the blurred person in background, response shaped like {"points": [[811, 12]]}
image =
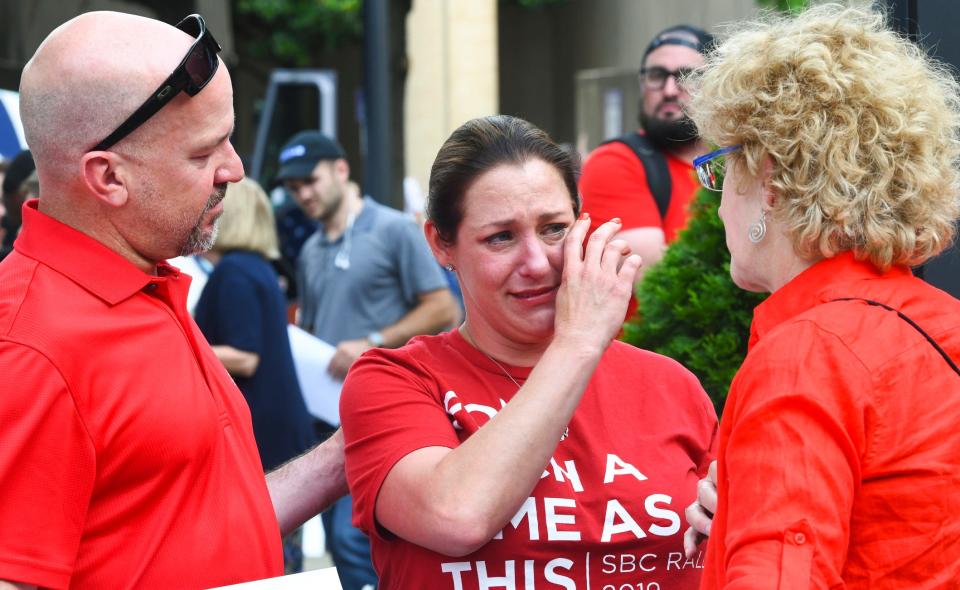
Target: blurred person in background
{"points": [[522, 448], [3, 209], [646, 177], [839, 452], [15, 191], [242, 312], [366, 280]]}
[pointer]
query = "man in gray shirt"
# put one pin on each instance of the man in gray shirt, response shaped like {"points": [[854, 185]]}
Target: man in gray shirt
{"points": [[366, 279]]}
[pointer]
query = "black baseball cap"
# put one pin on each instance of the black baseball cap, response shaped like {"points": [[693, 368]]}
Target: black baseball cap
{"points": [[686, 35], [301, 154]]}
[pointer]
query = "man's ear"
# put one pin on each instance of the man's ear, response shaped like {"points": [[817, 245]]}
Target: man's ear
{"points": [[104, 176], [440, 247], [341, 169]]}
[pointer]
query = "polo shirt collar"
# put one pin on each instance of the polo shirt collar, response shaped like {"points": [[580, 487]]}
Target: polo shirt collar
{"points": [[367, 214], [828, 279], [79, 257]]}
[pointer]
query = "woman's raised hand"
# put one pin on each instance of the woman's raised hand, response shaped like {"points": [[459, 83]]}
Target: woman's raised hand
{"points": [[597, 283]]}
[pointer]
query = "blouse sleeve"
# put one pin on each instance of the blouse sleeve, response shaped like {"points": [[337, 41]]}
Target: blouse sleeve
{"points": [[790, 467]]}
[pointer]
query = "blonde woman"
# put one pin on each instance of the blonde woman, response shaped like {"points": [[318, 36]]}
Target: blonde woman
{"points": [[242, 312], [839, 453]]}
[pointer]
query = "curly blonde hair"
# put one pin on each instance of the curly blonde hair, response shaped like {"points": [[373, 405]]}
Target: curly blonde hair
{"points": [[860, 125]]}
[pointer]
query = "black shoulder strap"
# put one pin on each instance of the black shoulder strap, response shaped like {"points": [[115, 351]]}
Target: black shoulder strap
{"points": [[904, 317], [654, 165]]}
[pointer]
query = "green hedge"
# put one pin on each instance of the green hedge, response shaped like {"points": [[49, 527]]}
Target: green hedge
{"points": [[690, 310]]}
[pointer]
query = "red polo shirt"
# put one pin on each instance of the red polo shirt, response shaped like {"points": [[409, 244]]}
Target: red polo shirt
{"points": [[127, 457], [839, 460]]}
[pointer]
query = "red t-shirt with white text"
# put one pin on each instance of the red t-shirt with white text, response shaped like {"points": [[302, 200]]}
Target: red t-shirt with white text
{"points": [[607, 512]]}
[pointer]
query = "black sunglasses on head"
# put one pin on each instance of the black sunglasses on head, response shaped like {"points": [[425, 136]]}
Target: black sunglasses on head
{"points": [[193, 73]]}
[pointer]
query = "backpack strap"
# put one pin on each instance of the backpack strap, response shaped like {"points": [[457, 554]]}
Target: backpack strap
{"points": [[654, 165], [916, 327]]}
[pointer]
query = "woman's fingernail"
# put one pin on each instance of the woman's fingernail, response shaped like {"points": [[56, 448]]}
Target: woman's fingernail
{"points": [[616, 220], [584, 215]]}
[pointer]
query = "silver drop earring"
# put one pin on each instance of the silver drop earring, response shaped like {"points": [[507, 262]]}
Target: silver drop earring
{"points": [[757, 230], [448, 267]]}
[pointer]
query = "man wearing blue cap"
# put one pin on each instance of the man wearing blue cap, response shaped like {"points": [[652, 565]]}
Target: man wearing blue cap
{"points": [[366, 279], [646, 177]]}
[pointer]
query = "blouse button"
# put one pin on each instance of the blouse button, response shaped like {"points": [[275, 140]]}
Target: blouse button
{"points": [[800, 538]]}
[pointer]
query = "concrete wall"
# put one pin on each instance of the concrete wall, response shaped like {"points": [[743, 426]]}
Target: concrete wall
{"points": [[26, 24], [452, 76]]}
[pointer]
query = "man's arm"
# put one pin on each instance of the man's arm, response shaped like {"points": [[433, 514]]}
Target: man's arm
{"points": [[308, 485], [649, 242], [434, 311]]}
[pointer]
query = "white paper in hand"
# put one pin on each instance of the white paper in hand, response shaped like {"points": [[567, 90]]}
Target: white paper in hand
{"points": [[325, 579], [311, 357]]}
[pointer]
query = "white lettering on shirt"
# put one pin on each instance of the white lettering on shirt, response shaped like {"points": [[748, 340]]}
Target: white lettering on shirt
{"points": [[656, 512], [456, 568], [626, 525], [528, 509], [550, 573], [505, 581], [553, 519], [568, 471], [617, 466]]}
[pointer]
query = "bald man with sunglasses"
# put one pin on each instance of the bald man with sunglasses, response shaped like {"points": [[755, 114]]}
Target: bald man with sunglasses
{"points": [[128, 458]]}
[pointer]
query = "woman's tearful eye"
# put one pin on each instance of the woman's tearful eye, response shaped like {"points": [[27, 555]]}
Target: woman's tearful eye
{"points": [[559, 229], [556, 230], [499, 237]]}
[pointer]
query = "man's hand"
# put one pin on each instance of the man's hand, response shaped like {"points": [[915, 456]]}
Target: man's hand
{"points": [[700, 513], [347, 352]]}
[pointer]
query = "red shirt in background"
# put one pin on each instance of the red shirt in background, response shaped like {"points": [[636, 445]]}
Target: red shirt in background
{"points": [[614, 184], [840, 442], [127, 457]]}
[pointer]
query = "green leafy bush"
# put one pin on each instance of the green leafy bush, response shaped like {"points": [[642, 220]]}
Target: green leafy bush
{"points": [[690, 310], [784, 5], [293, 32]]}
